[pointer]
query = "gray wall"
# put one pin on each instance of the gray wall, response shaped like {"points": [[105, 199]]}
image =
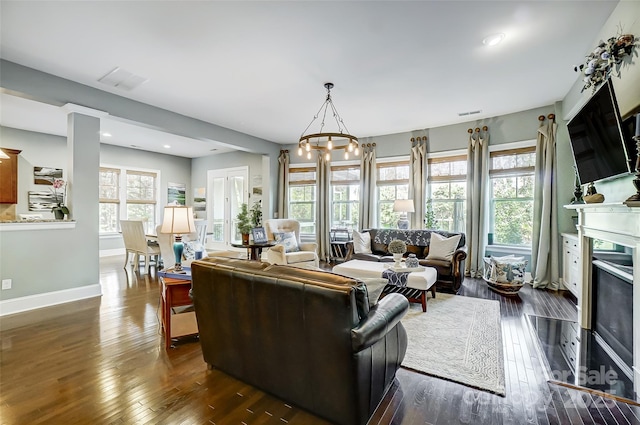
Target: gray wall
{"points": [[508, 128]]}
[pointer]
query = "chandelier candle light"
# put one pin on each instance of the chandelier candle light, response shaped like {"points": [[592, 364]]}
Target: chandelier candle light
{"points": [[178, 220], [325, 142]]}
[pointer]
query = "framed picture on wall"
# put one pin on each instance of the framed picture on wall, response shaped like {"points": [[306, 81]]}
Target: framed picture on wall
{"points": [[46, 175], [177, 193], [259, 235]]}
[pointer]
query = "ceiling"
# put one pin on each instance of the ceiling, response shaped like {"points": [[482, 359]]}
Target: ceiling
{"points": [[259, 67]]}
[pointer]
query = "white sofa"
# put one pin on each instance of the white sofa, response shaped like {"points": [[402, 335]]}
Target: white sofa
{"points": [[307, 256]]}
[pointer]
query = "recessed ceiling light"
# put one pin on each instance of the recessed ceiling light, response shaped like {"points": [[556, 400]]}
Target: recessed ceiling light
{"points": [[105, 134], [493, 39], [167, 146]]}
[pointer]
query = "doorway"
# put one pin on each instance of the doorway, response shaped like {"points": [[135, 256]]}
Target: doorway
{"points": [[228, 189]]}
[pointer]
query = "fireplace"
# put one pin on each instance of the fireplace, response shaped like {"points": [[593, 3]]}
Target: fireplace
{"points": [[612, 314], [610, 288]]}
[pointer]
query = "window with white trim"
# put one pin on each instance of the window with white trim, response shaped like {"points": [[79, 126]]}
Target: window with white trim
{"points": [[127, 194], [392, 183], [447, 193], [345, 196], [302, 198], [511, 174]]}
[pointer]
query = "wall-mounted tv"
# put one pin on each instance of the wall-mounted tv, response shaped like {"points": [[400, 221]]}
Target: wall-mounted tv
{"points": [[597, 138]]}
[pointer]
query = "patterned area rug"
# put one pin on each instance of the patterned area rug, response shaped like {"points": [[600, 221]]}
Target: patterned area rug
{"points": [[459, 339]]}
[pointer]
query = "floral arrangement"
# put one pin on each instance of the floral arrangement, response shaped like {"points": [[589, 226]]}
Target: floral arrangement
{"points": [[397, 246], [59, 196], [600, 63]]}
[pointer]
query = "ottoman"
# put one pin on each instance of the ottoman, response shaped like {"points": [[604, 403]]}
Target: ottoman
{"points": [[418, 283]]}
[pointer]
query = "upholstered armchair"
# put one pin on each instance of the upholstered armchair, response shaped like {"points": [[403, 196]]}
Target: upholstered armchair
{"points": [[307, 254]]}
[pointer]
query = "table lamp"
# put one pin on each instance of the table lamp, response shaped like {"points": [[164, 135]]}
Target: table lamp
{"points": [[403, 206], [178, 220]]}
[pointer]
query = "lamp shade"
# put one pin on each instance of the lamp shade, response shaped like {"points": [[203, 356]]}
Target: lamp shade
{"points": [[403, 205], [178, 220]]}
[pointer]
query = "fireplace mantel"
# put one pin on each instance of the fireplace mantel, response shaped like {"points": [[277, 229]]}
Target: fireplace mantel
{"points": [[617, 223]]}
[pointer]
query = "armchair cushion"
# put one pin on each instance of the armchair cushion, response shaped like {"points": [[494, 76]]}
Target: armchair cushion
{"points": [[300, 256], [288, 240]]}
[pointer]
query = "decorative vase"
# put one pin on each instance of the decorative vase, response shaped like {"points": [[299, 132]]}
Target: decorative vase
{"points": [[412, 261], [58, 214], [398, 260]]}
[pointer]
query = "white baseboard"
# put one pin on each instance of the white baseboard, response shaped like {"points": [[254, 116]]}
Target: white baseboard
{"points": [[47, 299], [111, 252]]}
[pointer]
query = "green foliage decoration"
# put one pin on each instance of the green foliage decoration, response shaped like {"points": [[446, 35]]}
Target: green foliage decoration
{"points": [[244, 221]]}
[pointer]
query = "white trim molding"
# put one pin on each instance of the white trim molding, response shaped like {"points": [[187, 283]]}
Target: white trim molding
{"points": [[36, 225], [47, 299]]}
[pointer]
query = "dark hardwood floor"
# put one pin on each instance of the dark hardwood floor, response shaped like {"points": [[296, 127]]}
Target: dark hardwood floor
{"points": [[102, 361]]}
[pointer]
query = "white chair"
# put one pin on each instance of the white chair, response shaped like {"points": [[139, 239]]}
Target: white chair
{"points": [[165, 242], [135, 243], [307, 256]]}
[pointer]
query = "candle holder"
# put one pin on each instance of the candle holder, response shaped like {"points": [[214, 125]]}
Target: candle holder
{"points": [[577, 191], [634, 200]]}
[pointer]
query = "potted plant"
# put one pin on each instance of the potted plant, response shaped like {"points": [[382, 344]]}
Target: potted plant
{"points": [[60, 209], [397, 248], [256, 213], [244, 223]]}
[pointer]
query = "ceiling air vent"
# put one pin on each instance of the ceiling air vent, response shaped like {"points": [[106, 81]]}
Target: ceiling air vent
{"points": [[123, 79], [464, 114]]}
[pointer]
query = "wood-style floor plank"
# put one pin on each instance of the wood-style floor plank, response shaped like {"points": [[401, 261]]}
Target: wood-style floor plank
{"points": [[102, 361]]}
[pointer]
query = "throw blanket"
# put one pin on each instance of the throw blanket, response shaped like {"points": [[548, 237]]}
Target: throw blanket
{"points": [[395, 278], [411, 237]]}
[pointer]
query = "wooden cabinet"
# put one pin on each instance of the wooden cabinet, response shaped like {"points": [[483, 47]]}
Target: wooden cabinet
{"points": [[571, 264], [9, 177]]}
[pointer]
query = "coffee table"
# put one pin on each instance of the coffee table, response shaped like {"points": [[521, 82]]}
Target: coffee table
{"points": [[418, 283]]}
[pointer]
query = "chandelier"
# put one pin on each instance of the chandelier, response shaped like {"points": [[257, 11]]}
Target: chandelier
{"points": [[324, 143]]}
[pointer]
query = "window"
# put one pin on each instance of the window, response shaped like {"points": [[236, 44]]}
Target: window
{"points": [[127, 194], [109, 200], [302, 198], [447, 193], [392, 184], [511, 175], [345, 196]]}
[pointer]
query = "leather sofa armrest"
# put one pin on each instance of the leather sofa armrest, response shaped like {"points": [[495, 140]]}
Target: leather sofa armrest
{"points": [[381, 319], [309, 246], [457, 263]]}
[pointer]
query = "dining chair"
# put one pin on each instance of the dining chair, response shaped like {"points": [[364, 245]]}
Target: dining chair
{"points": [[135, 243]]}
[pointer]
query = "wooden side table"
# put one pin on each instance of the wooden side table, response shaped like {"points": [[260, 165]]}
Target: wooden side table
{"points": [[175, 293], [254, 250]]}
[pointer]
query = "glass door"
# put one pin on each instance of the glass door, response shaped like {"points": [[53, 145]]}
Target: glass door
{"points": [[229, 190]]}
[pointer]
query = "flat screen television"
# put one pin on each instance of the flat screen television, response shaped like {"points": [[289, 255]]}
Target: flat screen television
{"points": [[598, 138]]}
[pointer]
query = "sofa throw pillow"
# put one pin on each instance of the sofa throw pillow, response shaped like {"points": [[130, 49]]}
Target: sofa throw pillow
{"points": [[288, 240], [441, 248], [374, 285], [361, 242]]}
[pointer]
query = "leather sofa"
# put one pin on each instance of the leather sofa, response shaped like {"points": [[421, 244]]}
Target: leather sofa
{"points": [[306, 336], [450, 273]]}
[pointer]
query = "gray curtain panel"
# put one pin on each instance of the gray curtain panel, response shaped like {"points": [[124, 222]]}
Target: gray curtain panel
{"points": [[323, 208], [418, 180], [545, 244], [283, 184], [477, 187], [368, 177]]}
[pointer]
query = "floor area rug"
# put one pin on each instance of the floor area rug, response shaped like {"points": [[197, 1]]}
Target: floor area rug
{"points": [[459, 339]]}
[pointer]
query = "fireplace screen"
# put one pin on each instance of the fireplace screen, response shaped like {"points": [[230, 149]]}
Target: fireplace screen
{"points": [[613, 307]]}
